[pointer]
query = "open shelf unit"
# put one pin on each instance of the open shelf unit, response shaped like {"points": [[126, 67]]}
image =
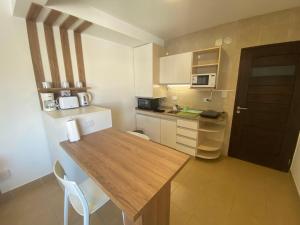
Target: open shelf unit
{"points": [[211, 127], [205, 65], [208, 155], [206, 61], [210, 145], [210, 138]]}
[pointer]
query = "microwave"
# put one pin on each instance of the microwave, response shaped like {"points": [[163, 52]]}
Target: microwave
{"points": [[148, 103], [204, 80]]}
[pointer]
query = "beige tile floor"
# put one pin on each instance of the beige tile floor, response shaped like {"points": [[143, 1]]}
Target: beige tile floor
{"points": [[223, 192]]}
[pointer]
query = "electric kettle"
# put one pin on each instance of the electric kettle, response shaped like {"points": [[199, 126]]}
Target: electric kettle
{"points": [[84, 98]]}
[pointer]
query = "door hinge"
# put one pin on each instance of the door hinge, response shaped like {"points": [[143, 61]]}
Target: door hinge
{"points": [[289, 161]]}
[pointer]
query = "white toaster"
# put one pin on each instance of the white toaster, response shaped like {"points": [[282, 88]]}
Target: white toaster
{"points": [[69, 102]]}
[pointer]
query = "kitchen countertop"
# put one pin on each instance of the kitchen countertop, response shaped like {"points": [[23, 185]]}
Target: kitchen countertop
{"points": [[77, 111], [174, 116]]}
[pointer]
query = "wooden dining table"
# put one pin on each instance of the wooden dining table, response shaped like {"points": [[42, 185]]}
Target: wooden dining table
{"points": [[135, 173]]}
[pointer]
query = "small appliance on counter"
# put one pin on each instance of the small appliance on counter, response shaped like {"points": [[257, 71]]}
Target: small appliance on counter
{"points": [[210, 114], [49, 104], [69, 102], [84, 98], [148, 103]]}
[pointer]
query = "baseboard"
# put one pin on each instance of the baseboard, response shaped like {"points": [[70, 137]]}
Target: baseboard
{"points": [[31, 183]]}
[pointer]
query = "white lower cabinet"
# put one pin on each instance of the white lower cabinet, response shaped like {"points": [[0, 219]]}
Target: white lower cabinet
{"points": [[150, 126], [168, 132]]}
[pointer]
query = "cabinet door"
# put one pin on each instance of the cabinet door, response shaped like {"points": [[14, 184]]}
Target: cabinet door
{"points": [[150, 126], [166, 69], [143, 70], [176, 69], [168, 132], [183, 65]]}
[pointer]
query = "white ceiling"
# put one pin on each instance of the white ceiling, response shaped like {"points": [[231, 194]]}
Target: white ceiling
{"points": [[172, 18]]}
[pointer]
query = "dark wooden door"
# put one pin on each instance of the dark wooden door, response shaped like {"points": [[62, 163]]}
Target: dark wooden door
{"points": [[266, 117]]}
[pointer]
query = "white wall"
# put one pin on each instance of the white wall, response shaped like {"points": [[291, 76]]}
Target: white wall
{"points": [[109, 71], [23, 146], [295, 168]]}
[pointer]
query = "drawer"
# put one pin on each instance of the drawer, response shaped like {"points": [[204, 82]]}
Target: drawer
{"points": [[186, 149], [186, 141], [187, 133], [188, 124]]}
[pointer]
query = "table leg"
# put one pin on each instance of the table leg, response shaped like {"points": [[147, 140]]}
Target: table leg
{"points": [[157, 212]]}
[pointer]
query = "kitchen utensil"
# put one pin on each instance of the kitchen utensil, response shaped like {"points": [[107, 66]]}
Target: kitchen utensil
{"points": [[65, 93], [210, 114], [48, 102]]}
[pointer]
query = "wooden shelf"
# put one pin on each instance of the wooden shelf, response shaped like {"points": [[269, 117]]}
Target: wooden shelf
{"points": [[208, 155], [210, 127], [206, 65], [209, 145], [213, 49], [45, 90]]}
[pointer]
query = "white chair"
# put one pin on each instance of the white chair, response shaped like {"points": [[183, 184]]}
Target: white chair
{"points": [[86, 198], [139, 135]]}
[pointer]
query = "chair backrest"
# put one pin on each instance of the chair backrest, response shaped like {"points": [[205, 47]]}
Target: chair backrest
{"points": [[72, 190], [143, 136]]}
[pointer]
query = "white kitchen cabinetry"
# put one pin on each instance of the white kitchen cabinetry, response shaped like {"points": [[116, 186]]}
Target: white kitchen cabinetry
{"points": [[150, 126], [168, 132], [187, 135], [176, 69], [146, 72]]}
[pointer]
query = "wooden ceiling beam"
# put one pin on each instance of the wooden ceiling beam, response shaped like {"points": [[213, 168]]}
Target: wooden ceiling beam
{"points": [[33, 12], [83, 26], [68, 22], [52, 17]]}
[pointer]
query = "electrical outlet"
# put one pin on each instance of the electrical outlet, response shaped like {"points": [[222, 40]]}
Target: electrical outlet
{"points": [[206, 100]]}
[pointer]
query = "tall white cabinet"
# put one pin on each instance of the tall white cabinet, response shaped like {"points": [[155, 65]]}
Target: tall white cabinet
{"points": [[146, 72], [176, 69]]}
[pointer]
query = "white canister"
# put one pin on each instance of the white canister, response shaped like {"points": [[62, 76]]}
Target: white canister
{"points": [[72, 130], [65, 84], [46, 84], [79, 84]]}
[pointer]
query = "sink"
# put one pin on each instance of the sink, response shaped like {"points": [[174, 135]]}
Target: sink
{"points": [[173, 112], [189, 115]]}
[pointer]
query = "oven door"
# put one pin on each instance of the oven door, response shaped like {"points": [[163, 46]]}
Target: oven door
{"points": [[201, 80], [144, 103]]}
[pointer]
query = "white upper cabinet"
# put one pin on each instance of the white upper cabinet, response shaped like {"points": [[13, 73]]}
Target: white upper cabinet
{"points": [[176, 69], [146, 71]]}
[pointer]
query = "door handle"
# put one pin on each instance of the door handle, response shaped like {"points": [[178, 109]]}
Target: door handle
{"points": [[238, 109]]}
